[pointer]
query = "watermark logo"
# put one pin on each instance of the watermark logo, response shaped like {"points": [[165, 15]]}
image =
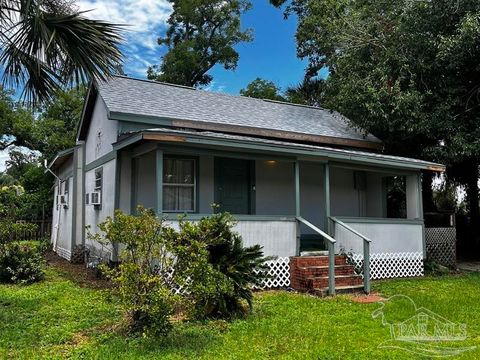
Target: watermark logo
{"points": [[419, 330]]}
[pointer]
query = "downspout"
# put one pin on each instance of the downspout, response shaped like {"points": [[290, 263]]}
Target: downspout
{"points": [[57, 225]]}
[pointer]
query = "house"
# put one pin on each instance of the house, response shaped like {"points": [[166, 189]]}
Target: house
{"points": [[296, 177]]}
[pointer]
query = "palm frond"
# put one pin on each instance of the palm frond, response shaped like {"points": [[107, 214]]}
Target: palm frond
{"points": [[46, 45]]}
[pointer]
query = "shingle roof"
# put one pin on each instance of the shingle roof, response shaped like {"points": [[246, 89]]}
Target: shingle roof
{"points": [[151, 99]]}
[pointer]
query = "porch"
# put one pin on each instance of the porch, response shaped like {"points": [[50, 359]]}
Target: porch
{"points": [[287, 201]]}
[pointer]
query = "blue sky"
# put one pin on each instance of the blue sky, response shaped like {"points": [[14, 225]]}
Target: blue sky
{"points": [[271, 55]]}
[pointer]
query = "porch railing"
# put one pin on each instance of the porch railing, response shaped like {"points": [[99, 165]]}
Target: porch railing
{"points": [[366, 250], [331, 253]]}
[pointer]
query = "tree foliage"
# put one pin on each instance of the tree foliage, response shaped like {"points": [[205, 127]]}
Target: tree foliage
{"points": [[262, 89], [201, 34], [406, 71], [47, 44]]}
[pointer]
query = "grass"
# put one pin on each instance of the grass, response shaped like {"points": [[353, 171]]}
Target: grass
{"points": [[61, 318]]}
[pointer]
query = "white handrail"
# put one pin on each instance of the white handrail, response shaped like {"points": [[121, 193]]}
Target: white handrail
{"points": [[316, 229]]}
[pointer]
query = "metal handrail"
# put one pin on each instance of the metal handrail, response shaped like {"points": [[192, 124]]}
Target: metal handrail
{"points": [[341, 223], [331, 253], [366, 252], [316, 229]]}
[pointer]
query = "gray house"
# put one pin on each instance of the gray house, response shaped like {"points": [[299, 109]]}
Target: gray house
{"points": [[289, 173]]}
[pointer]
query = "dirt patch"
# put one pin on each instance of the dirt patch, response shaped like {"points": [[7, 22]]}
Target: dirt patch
{"points": [[367, 299], [77, 273]]}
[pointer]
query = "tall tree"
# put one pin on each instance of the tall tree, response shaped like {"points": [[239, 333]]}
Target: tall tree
{"points": [[404, 70], [47, 44], [201, 34], [262, 89], [310, 91]]}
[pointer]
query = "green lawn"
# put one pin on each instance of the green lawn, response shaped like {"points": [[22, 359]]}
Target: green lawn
{"points": [[60, 318]]}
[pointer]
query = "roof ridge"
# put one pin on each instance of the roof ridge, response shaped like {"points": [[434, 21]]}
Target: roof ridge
{"points": [[299, 105], [225, 94], [155, 82]]}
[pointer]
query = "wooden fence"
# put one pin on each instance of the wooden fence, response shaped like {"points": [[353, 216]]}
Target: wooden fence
{"points": [[43, 230]]}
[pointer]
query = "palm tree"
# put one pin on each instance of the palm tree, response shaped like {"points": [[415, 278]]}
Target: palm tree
{"points": [[47, 44]]}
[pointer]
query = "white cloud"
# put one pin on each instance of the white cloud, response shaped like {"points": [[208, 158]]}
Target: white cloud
{"points": [[146, 20]]}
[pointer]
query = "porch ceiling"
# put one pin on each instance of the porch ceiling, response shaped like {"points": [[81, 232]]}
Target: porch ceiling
{"points": [[253, 144]]}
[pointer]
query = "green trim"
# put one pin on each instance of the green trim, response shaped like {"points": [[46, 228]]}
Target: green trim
{"points": [[144, 119], [84, 151], [387, 172], [238, 154], [298, 230], [133, 186], [367, 220], [101, 160], [294, 150], [116, 202], [159, 181], [239, 217], [326, 189], [74, 201]]}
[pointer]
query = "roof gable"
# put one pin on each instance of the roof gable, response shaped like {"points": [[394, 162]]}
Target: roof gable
{"points": [[184, 107]]}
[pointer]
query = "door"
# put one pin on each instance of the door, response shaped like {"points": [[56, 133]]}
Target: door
{"points": [[234, 185]]}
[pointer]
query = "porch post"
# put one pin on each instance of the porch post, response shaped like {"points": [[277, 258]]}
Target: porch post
{"points": [[159, 182], [414, 201], [326, 188], [297, 203]]}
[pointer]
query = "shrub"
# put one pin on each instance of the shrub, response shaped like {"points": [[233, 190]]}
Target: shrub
{"points": [[20, 263], [220, 288], [143, 278]]}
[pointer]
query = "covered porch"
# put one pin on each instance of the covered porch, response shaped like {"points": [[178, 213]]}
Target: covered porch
{"points": [[289, 198]]}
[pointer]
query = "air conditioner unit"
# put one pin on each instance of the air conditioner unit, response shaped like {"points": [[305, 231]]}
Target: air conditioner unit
{"points": [[96, 198], [62, 200]]}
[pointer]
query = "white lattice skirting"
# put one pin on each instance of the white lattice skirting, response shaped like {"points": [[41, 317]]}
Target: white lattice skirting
{"points": [[279, 274], [391, 265]]}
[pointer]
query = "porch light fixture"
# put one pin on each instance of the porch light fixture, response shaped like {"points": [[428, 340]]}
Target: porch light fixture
{"points": [[271, 162]]}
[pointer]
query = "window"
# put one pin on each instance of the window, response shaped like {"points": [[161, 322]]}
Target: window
{"points": [[98, 179], [66, 188], [179, 184]]}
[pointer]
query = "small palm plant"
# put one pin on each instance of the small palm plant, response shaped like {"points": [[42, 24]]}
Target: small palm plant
{"points": [[224, 284]]}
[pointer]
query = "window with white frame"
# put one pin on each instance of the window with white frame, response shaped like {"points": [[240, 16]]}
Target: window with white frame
{"points": [[179, 184], [98, 179]]}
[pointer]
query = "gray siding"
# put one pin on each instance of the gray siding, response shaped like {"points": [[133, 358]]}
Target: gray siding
{"points": [[102, 133]]}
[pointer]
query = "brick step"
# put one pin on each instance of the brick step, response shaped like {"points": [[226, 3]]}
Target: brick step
{"points": [[341, 280], [339, 290], [305, 261], [309, 271]]}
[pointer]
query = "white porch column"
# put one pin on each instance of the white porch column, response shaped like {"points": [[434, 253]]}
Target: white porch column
{"points": [[159, 182], [414, 197]]}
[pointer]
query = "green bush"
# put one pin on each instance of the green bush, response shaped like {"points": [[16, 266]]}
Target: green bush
{"points": [[20, 263], [221, 287], [142, 280], [205, 259]]}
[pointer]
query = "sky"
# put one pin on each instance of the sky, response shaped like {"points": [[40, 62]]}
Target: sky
{"points": [[271, 55]]}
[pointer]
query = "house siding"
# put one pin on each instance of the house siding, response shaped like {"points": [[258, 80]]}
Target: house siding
{"points": [[102, 133]]}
